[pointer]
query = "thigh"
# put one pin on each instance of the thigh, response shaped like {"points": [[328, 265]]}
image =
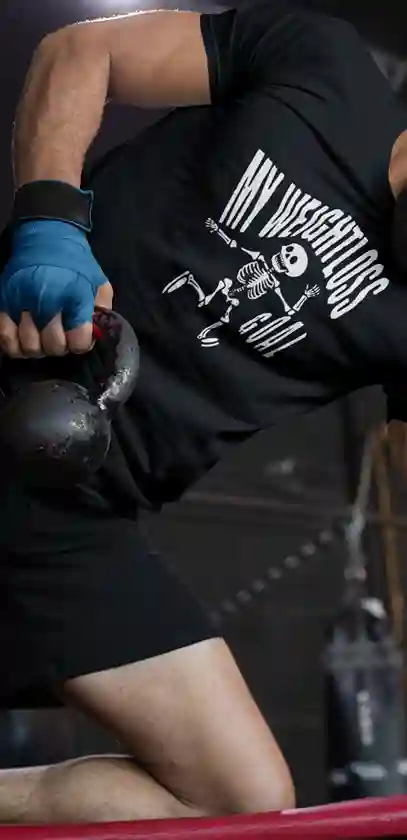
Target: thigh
{"points": [[80, 592], [88, 611], [190, 719]]}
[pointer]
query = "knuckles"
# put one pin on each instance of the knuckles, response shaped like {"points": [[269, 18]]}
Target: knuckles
{"points": [[26, 341]]}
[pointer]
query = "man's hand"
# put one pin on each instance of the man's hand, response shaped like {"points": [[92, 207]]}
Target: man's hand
{"points": [[48, 291]]}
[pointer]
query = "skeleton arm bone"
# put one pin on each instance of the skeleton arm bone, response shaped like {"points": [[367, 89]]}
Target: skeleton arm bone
{"points": [[277, 291], [309, 292]]}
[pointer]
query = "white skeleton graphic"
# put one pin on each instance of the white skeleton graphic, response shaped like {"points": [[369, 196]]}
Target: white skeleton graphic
{"points": [[257, 278]]}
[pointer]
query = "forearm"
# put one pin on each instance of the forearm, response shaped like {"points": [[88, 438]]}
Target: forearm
{"points": [[148, 59], [60, 111]]}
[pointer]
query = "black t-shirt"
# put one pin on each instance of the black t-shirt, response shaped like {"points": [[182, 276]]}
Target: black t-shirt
{"points": [[248, 243]]}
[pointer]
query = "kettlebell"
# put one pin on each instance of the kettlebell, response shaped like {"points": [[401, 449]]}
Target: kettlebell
{"points": [[55, 431]]}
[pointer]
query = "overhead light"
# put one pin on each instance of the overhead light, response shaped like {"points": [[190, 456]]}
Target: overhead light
{"points": [[119, 5]]}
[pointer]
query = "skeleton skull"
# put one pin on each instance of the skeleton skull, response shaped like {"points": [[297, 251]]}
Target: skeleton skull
{"points": [[291, 260]]}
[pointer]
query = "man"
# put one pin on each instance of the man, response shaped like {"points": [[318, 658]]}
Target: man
{"points": [[247, 238]]}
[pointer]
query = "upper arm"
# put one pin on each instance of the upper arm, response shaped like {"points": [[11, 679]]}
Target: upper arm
{"points": [[157, 58], [171, 58]]}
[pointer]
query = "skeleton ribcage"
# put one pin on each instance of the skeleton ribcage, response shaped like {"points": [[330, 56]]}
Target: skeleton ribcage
{"points": [[256, 278], [258, 288]]}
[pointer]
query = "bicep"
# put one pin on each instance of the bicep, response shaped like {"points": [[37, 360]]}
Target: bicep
{"points": [[164, 59], [157, 59]]}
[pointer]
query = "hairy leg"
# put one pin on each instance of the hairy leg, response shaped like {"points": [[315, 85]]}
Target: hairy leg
{"points": [[198, 742], [92, 789]]}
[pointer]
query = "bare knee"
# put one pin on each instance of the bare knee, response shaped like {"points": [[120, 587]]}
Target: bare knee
{"points": [[245, 792], [276, 795], [280, 798]]}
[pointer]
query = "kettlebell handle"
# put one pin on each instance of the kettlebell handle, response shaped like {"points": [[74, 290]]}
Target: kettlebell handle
{"points": [[112, 328]]}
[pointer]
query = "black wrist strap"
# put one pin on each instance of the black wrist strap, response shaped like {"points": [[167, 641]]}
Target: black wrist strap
{"points": [[53, 201]]}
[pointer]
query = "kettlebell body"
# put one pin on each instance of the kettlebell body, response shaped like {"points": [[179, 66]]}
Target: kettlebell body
{"points": [[53, 431]]}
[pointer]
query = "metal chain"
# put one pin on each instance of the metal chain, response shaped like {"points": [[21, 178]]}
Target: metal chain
{"points": [[259, 586]]}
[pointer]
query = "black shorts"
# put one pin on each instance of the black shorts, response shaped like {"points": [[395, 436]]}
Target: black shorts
{"points": [[80, 592]]}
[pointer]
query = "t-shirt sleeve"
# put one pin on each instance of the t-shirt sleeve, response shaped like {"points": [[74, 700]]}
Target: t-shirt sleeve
{"points": [[396, 402], [261, 44]]}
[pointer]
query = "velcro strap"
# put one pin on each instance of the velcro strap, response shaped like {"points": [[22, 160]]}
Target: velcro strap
{"points": [[53, 200]]}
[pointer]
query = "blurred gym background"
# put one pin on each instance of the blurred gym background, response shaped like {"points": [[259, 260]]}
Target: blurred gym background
{"points": [[265, 539]]}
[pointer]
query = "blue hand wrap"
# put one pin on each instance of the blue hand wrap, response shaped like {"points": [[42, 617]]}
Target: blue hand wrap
{"points": [[51, 270]]}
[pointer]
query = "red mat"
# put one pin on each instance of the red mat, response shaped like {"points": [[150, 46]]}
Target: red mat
{"points": [[367, 818]]}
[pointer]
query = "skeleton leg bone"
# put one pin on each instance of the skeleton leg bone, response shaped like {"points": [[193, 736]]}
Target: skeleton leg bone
{"points": [[223, 286], [209, 341], [186, 279], [225, 319]]}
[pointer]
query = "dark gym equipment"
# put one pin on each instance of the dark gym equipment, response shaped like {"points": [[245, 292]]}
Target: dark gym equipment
{"points": [[364, 696], [56, 431], [364, 676]]}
